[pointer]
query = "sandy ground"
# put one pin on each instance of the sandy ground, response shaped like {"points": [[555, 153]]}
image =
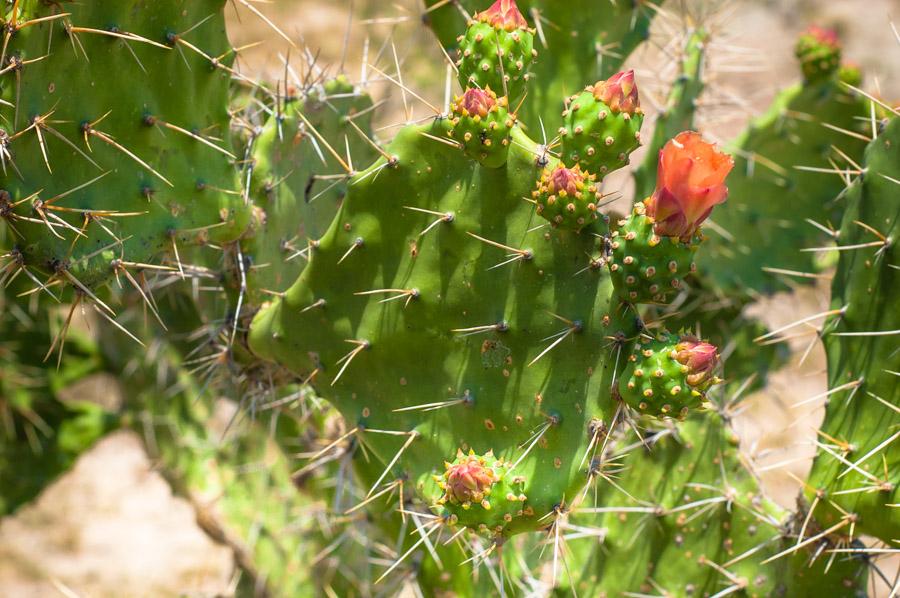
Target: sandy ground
{"points": [[111, 526]]}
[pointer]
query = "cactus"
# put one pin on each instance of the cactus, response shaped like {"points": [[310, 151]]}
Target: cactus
{"points": [[854, 480], [687, 519], [119, 149], [492, 341], [576, 41], [808, 127]]}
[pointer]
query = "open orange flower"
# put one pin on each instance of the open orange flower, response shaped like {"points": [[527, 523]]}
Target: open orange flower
{"points": [[504, 14], [690, 183]]}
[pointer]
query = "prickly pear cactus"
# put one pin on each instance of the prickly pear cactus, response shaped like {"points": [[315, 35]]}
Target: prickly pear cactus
{"points": [[497, 50], [116, 145], [576, 41], [503, 350], [812, 132], [686, 518], [491, 331], [854, 481]]}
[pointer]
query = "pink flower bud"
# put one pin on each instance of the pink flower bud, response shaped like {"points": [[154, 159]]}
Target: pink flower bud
{"points": [[477, 101], [619, 92], [570, 180], [700, 358], [690, 182], [468, 480], [503, 14]]}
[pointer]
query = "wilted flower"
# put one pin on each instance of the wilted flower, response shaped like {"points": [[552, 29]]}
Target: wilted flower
{"points": [[690, 182]]}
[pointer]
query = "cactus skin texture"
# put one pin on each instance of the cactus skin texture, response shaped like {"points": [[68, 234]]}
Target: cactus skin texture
{"points": [[697, 512], [861, 421], [497, 50], [445, 285], [293, 207], [135, 124], [575, 44], [602, 125]]}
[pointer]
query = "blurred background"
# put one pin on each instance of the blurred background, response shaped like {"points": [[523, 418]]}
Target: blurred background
{"points": [[111, 527]]}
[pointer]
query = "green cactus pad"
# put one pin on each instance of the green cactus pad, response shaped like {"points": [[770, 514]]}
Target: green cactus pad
{"points": [[857, 469], [645, 267], [597, 137], [481, 123], [126, 129], [461, 313], [687, 519], [494, 57], [568, 197], [657, 383]]}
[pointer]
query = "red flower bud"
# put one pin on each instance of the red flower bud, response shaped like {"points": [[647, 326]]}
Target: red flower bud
{"points": [[477, 101], [503, 14], [469, 480], [701, 359], [565, 179], [690, 182], [619, 92]]}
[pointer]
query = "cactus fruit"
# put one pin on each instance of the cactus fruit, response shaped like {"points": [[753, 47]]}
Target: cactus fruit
{"points": [[481, 123], [497, 50], [120, 135], [568, 197], [668, 375], [654, 248], [819, 53], [602, 125], [855, 477], [584, 42], [484, 484]]}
